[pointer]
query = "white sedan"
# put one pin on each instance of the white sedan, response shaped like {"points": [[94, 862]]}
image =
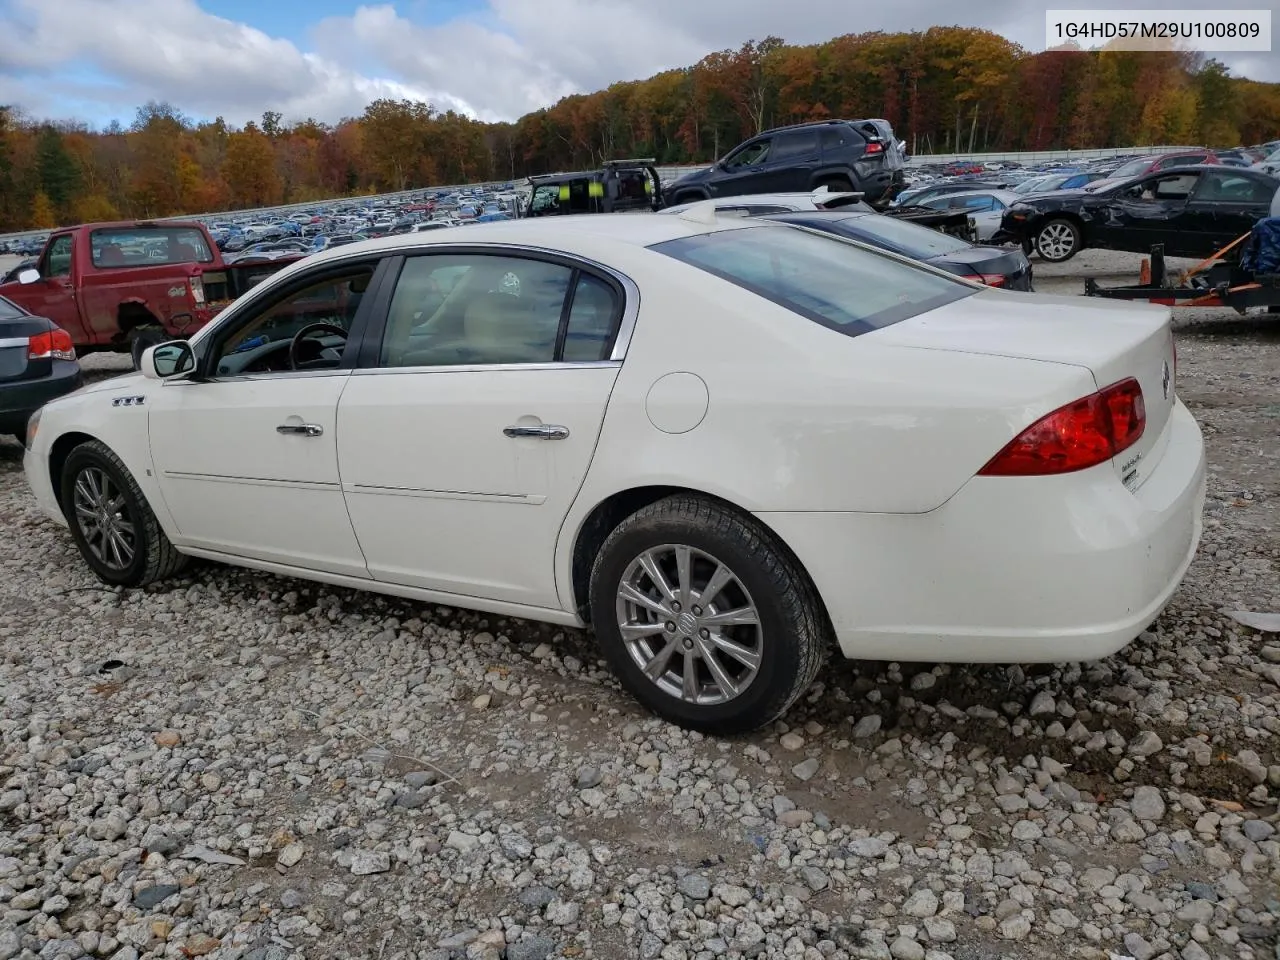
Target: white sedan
{"points": [[728, 446]]}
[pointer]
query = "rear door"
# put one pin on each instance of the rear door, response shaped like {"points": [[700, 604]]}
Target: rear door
{"points": [[796, 160], [465, 436], [1226, 205]]}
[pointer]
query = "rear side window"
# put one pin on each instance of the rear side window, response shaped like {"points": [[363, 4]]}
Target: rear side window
{"points": [[839, 285], [148, 247], [795, 146]]}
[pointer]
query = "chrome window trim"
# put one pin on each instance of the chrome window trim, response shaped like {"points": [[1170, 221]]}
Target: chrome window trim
{"points": [[15, 342], [488, 367], [267, 375], [631, 292]]}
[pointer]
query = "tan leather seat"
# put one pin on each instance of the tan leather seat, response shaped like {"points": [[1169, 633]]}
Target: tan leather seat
{"points": [[498, 329]]}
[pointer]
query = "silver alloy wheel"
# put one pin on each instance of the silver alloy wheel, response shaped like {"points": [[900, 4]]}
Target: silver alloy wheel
{"points": [[102, 514], [1056, 241], [689, 624]]}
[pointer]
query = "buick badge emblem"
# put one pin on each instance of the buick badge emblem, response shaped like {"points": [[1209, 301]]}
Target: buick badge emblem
{"points": [[1166, 380]]}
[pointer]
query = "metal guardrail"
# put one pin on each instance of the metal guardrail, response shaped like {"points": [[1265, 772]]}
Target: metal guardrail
{"points": [[666, 173]]}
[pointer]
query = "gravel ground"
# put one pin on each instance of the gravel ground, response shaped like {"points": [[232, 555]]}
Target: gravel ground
{"points": [[236, 765]]}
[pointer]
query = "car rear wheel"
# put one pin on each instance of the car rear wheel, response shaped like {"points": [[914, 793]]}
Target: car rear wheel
{"points": [[1058, 240], [704, 616], [111, 522]]}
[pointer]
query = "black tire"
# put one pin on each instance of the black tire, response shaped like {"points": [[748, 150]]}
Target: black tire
{"points": [[154, 557], [1058, 240], [794, 635], [140, 338], [1028, 247]]}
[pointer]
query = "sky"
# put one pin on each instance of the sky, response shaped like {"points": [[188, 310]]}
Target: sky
{"points": [[97, 60]]}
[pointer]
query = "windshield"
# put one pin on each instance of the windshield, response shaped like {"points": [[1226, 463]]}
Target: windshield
{"points": [[148, 246], [908, 239], [1131, 169], [839, 285]]}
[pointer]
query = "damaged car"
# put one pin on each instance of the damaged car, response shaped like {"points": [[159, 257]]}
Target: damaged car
{"points": [[1194, 211]]}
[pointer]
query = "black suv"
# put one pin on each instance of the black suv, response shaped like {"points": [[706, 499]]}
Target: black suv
{"points": [[858, 155], [619, 186]]}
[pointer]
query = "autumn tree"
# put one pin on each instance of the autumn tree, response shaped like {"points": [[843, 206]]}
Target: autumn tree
{"points": [[59, 178], [42, 216], [249, 169]]}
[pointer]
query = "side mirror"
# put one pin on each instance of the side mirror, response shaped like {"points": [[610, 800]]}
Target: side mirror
{"points": [[30, 275], [168, 361]]}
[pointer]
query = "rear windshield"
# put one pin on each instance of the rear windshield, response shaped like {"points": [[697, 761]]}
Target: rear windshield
{"points": [[839, 285], [908, 239], [148, 246], [11, 311]]}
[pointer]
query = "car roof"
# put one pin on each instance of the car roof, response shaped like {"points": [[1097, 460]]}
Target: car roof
{"points": [[579, 234]]}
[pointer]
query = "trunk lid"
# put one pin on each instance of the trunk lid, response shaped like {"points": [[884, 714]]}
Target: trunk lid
{"points": [[1113, 340], [16, 330]]}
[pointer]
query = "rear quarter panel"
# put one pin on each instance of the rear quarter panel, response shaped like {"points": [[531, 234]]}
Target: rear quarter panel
{"points": [[801, 417]]}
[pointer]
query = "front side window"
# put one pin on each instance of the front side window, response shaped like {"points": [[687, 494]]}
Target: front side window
{"points": [[57, 261], [1173, 186], [452, 309], [847, 288], [268, 341], [148, 246], [752, 155]]}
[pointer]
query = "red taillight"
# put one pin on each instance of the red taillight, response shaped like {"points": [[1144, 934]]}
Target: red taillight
{"points": [[990, 279], [55, 345], [874, 147], [1080, 435]]}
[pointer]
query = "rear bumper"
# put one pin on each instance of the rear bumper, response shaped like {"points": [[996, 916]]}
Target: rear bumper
{"points": [[21, 398], [1010, 570]]}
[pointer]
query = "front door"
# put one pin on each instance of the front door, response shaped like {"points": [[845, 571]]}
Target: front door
{"points": [[747, 170], [54, 295], [1154, 210], [464, 441], [246, 454]]}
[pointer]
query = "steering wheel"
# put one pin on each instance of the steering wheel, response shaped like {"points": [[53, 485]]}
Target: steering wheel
{"points": [[318, 361]]}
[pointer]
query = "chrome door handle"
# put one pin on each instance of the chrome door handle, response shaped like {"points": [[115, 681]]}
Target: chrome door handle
{"points": [[302, 429], [546, 431]]}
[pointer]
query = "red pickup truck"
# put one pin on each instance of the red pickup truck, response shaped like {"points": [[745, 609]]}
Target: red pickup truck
{"points": [[130, 285]]}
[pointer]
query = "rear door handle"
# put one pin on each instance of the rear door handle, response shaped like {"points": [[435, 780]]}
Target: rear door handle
{"points": [[545, 431], [301, 429]]}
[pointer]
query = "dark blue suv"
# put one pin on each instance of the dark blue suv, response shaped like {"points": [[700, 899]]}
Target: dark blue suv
{"points": [[857, 155]]}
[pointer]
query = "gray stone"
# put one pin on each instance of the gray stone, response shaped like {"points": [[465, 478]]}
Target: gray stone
{"points": [[420, 778], [589, 777], [1258, 830], [1015, 927], [867, 726], [921, 904], [694, 886], [871, 847], [1202, 891], [365, 862], [10, 944], [1147, 803], [464, 843], [1197, 911], [562, 913], [806, 769], [150, 897], [814, 878], [536, 897], [1137, 947], [904, 948], [1042, 704], [1145, 743], [536, 948]]}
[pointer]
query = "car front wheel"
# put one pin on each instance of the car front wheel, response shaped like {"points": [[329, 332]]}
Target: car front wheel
{"points": [[112, 525], [1058, 240], [704, 617]]}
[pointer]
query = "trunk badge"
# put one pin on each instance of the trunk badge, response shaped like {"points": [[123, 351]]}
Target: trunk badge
{"points": [[1166, 380]]}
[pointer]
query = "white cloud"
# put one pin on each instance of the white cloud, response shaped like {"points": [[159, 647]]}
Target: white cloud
{"points": [[518, 56]]}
